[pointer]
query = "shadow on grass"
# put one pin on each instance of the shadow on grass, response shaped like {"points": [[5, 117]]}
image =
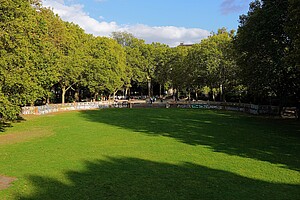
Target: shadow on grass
{"points": [[5, 125], [132, 178], [271, 140]]}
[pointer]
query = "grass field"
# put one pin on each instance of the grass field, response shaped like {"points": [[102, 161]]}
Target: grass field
{"points": [[151, 154]]}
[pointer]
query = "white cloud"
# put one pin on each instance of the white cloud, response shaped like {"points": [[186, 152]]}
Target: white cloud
{"points": [[232, 6], [170, 35]]}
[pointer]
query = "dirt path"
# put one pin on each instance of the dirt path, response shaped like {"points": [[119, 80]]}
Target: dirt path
{"points": [[24, 136]]}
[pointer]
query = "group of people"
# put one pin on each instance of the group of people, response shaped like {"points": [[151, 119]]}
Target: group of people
{"points": [[152, 99]]}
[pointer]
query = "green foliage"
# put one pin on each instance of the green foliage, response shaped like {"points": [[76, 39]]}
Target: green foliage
{"points": [[267, 51], [134, 56], [39, 51], [73, 58], [106, 70], [142, 59], [21, 33], [43, 56], [292, 28], [161, 73], [211, 63], [8, 110], [52, 52]]}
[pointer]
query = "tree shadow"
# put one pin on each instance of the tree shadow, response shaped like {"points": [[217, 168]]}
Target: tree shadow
{"points": [[4, 125], [132, 178], [264, 139]]}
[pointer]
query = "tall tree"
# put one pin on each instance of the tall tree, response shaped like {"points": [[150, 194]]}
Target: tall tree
{"points": [[148, 65], [20, 44], [263, 44], [106, 70], [160, 62], [135, 59], [176, 58], [211, 63], [197, 69], [72, 60], [51, 52], [292, 28]]}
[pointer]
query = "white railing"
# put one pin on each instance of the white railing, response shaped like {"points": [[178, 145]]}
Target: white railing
{"points": [[241, 107]]}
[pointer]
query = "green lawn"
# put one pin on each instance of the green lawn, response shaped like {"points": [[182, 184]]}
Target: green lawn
{"points": [[152, 154]]}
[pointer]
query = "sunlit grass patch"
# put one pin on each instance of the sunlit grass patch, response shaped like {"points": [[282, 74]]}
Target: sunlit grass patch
{"points": [[153, 154]]}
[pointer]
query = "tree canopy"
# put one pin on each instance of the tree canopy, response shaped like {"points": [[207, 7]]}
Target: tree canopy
{"points": [[266, 45], [44, 59]]}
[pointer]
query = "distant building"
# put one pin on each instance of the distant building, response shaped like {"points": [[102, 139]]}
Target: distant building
{"points": [[184, 45]]}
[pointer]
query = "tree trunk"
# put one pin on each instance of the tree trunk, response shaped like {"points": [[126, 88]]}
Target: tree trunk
{"points": [[222, 97], [77, 92], [213, 94], [160, 91], [63, 93], [114, 94], [128, 93], [149, 87], [48, 100], [177, 95]]}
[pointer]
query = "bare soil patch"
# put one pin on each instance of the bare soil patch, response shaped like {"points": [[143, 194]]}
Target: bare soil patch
{"points": [[5, 181], [24, 136]]}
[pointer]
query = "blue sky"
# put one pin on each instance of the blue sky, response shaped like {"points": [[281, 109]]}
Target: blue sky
{"points": [[165, 21]]}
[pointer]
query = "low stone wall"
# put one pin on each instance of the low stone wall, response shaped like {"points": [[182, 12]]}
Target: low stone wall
{"points": [[241, 107], [288, 112], [147, 105], [45, 109]]}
